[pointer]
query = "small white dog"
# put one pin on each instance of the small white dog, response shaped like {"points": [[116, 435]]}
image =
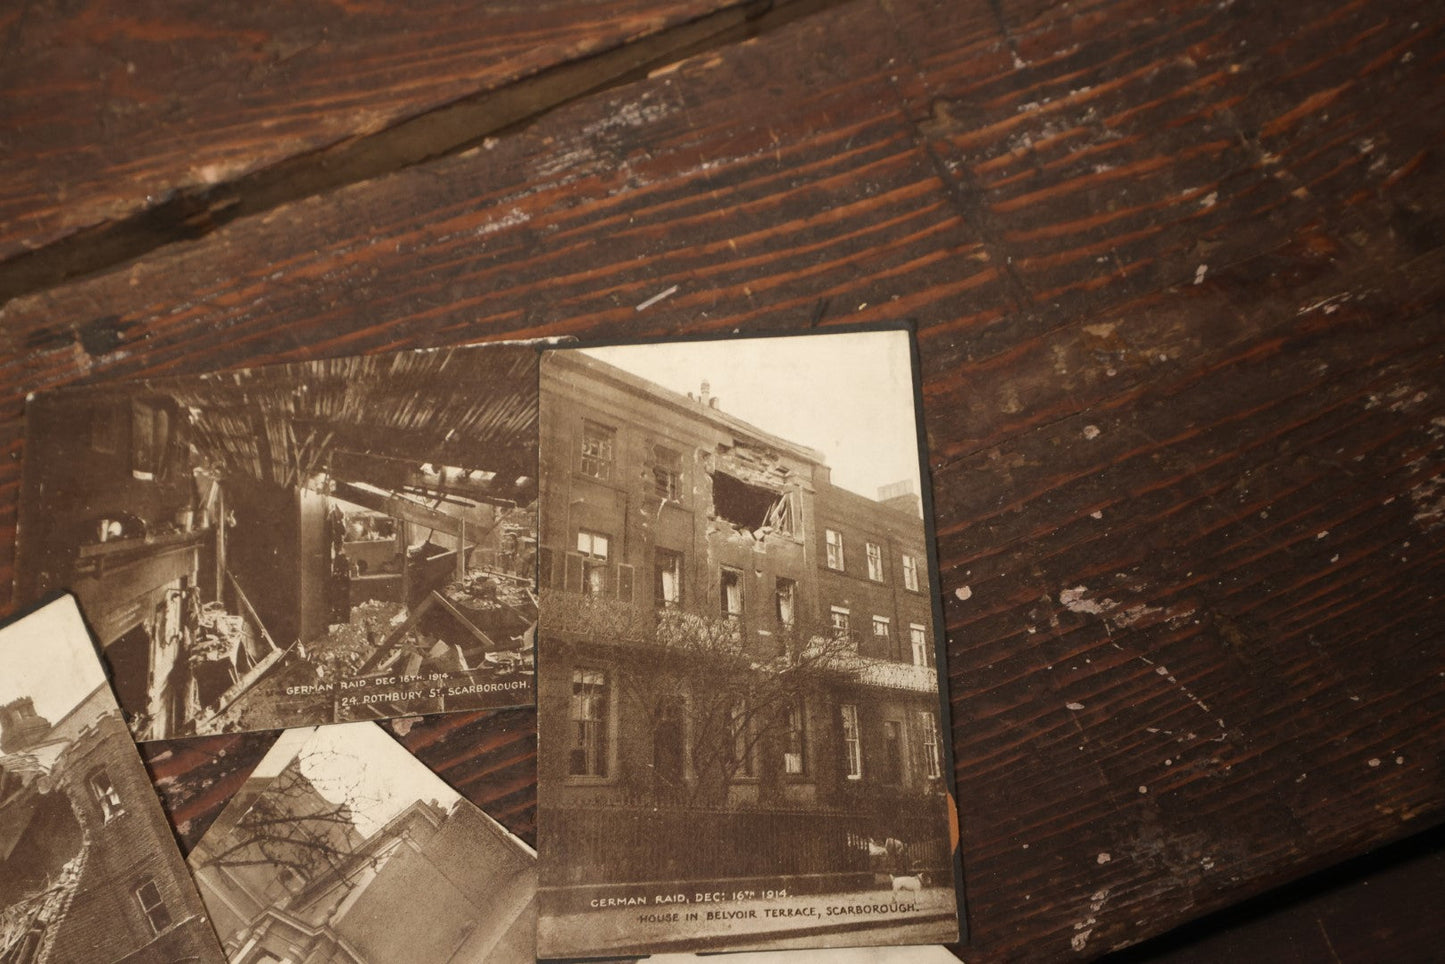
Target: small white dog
{"points": [[910, 882]]}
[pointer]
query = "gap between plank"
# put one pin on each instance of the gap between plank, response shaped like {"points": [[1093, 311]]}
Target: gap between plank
{"points": [[450, 129]]}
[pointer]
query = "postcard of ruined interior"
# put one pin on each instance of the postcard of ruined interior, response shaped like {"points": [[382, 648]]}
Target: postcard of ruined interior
{"points": [[320, 542], [741, 725], [89, 869], [341, 846]]}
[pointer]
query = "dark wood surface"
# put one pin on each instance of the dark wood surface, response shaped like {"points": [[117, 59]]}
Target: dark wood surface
{"points": [[1380, 907], [128, 125], [1177, 277]]}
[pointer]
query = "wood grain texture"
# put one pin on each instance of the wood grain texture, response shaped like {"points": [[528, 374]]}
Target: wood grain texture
{"points": [[1380, 907], [111, 110], [1177, 277]]}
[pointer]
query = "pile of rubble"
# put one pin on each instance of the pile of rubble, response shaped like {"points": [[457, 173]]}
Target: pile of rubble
{"points": [[219, 635]]}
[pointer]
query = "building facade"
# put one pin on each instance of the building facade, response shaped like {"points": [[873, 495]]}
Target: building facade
{"points": [[89, 869], [434, 885], [726, 634]]}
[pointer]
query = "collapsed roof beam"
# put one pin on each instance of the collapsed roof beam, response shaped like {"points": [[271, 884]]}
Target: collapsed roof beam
{"points": [[501, 489], [396, 506]]}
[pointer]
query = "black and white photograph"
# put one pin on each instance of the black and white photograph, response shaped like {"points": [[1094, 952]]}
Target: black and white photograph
{"points": [[89, 869], [320, 542], [342, 847], [741, 730]]}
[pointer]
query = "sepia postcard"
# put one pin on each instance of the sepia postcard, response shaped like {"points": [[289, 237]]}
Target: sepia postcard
{"points": [[341, 846], [89, 869], [742, 734], [337, 540]]}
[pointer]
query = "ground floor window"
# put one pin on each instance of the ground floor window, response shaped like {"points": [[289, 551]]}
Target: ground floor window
{"points": [[852, 744], [795, 760], [668, 741], [932, 762], [590, 716], [892, 751], [742, 750]]}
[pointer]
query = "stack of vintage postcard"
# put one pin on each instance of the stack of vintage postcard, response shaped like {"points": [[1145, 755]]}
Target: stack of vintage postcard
{"points": [[707, 563]]}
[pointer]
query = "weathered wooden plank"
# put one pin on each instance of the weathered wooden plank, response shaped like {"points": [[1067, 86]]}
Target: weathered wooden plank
{"points": [[1191, 534], [133, 127], [1378, 907]]}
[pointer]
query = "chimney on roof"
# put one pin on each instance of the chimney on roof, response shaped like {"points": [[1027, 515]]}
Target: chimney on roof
{"points": [[20, 726], [900, 495], [707, 397]]}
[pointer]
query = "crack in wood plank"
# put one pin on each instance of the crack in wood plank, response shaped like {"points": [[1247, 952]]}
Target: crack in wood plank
{"points": [[451, 129]]}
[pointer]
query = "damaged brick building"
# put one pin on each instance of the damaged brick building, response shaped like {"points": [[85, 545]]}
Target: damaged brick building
{"points": [[89, 870], [737, 657]]}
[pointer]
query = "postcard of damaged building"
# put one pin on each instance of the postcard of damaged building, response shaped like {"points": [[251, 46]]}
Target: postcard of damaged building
{"points": [[741, 728], [341, 847], [89, 870], [319, 542]]}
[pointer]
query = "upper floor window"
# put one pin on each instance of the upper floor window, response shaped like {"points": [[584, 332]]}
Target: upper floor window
{"points": [[106, 795], [852, 743], [149, 897], [841, 622], [150, 435], [730, 592], [593, 547], [881, 632], [910, 572], [667, 578], [875, 562], [599, 447], [667, 473], [918, 639], [591, 698], [786, 595], [835, 549], [594, 544]]}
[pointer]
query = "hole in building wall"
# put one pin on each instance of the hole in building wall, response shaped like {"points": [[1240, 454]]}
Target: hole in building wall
{"points": [[743, 505]]}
